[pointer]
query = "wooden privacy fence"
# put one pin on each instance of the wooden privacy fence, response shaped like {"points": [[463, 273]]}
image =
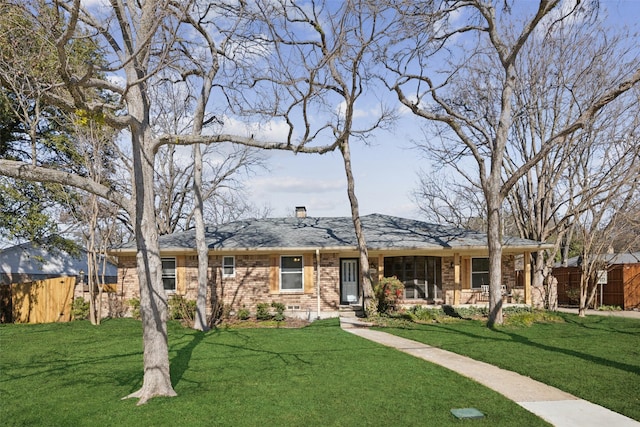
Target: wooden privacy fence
{"points": [[44, 301]]}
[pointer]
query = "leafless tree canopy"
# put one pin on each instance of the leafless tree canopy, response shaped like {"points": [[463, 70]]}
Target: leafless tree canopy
{"points": [[502, 89]]}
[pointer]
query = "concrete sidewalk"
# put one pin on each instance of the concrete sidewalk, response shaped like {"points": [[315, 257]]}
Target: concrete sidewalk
{"points": [[549, 403]]}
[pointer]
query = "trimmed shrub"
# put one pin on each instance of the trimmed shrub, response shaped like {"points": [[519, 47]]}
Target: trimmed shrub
{"points": [[279, 307], [424, 314], [388, 291], [181, 308], [263, 311], [243, 313]]}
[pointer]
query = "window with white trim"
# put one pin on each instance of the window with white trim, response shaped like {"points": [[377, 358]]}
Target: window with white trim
{"points": [[291, 273], [169, 274], [479, 272], [228, 266]]}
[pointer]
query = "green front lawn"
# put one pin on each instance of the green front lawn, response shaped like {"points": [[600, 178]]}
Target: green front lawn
{"points": [[74, 374], [596, 358]]}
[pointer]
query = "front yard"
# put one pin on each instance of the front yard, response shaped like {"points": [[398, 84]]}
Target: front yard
{"points": [[596, 358], [74, 374]]}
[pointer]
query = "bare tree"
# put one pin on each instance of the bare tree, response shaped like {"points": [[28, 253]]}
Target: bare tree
{"points": [[323, 57], [142, 39], [444, 201], [223, 190], [96, 146], [612, 202], [469, 95], [544, 204]]}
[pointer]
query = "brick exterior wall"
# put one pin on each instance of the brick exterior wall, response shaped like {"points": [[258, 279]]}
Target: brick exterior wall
{"points": [[250, 285]]}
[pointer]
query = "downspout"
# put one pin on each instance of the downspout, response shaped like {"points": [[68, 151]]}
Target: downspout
{"points": [[318, 280]]}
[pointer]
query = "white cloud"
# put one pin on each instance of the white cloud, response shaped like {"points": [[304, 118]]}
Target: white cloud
{"points": [[274, 130], [358, 113]]}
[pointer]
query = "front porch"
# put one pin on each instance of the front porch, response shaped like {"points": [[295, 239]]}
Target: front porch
{"points": [[456, 278]]}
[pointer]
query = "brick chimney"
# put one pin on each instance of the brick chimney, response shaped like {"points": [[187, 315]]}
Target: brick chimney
{"points": [[301, 212]]}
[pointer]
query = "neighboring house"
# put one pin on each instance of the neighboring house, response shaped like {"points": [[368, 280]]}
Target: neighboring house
{"points": [[28, 262], [622, 287], [38, 285], [311, 264]]}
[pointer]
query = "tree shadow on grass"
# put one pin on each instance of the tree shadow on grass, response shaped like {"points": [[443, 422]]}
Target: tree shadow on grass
{"points": [[505, 334], [235, 345], [601, 323], [573, 353], [180, 362]]}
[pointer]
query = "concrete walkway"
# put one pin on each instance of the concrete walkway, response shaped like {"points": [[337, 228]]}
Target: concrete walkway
{"points": [[549, 403], [629, 314]]}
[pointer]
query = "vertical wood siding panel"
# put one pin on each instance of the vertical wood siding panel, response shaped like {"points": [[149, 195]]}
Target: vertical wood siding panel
{"points": [[274, 274], [309, 283]]}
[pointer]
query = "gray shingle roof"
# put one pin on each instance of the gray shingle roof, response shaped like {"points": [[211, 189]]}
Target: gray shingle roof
{"points": [[381, 232], [610, 259]]}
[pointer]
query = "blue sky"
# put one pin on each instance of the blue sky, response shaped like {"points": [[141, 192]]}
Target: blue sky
{"points": [[385, 174], [386, 170]]}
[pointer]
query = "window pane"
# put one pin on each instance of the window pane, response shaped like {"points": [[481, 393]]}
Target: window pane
{"points": [[169, 283], [480, 264], [291, 273], [228, 266], [169, 274], [168, 267], [479, 272], [478, 279], [291, 263], [291, 281]]}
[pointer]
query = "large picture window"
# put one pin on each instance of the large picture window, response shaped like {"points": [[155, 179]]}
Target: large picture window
{"points": [[479, 272], [421, 275], [291, 273], [228, 266], [169, 274]]}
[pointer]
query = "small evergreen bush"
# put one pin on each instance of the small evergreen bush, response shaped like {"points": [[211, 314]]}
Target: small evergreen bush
{"points": [[244, 313], [279, 307], [263, 311], [80, 309]]}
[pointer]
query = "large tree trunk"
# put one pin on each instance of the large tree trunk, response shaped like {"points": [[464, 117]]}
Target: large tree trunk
{"points": [[368, 298], [153, 299], [494, 240], [200, 322]]}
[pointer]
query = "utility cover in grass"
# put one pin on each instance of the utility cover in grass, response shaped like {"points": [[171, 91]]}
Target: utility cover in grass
{"points": [[467, 413]]}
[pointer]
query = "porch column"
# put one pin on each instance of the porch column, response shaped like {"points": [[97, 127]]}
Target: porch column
{"points": [[380, 267], [527, 277], [457, 286]]}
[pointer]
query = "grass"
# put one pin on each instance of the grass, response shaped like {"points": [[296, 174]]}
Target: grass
{"points": [[74, 374], [596, 358]]}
